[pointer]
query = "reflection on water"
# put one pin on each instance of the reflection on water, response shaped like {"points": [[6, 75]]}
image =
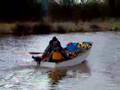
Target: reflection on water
{"points": [[100, 71], [37, 78], [56, 75]]}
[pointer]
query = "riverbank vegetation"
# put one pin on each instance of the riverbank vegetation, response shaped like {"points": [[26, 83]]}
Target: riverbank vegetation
{"points": [[26, 16], [24, 28]]}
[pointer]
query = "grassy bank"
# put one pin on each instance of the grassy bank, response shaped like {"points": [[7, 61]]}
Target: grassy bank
{"points": [[58, 27]]}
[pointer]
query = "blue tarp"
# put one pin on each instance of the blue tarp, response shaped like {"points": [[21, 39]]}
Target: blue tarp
{"points": [[73, 47]]}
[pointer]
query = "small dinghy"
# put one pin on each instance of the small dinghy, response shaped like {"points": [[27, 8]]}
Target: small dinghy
{"points": [[81, 57]]}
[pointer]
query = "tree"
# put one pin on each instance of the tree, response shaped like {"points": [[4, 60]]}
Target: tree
{"points": [[19, 9], [114, 6], [67, 2]]}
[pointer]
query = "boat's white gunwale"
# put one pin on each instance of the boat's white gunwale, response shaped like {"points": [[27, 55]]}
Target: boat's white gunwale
{"points": [[79, 59]]}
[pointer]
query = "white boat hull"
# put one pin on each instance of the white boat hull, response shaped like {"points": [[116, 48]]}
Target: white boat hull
{"points": [[75, 61]]}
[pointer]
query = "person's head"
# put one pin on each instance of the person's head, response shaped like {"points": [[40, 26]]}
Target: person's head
{"points": [[54, 38], [55, 43]]}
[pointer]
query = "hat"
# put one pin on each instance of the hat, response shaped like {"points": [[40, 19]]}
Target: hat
{"points": [[54, 38]]}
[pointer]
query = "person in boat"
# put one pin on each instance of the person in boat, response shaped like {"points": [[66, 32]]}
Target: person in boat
{"points": [[54, 51], [54, 42]]}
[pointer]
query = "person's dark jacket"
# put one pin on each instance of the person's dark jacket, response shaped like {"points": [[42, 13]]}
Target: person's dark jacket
{"points": [[51, 48]]}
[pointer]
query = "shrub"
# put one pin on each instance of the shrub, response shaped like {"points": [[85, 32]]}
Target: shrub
{"points": [[60, 29], [21, 29], [95, 27], [42, 29], [116, 27]]}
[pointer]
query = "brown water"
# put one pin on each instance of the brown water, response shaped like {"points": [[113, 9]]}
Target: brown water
{"points": [[101, 70]]}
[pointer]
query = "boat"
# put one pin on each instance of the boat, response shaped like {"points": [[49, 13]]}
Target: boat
{"points": [[81, 57], [75, 61]]}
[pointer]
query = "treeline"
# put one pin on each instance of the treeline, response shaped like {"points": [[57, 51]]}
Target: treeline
{"points": [[76, 12], [12, 10], [86, 11], [23, 10]]}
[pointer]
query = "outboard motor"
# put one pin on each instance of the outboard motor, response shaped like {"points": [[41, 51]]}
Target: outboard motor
{"points": [[37, 60]]}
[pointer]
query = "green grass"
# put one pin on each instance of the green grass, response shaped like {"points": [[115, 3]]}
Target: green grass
{"points": [[116, 27]]}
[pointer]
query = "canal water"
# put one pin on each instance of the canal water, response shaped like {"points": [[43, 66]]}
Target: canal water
{"points": [[100, 71]]}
